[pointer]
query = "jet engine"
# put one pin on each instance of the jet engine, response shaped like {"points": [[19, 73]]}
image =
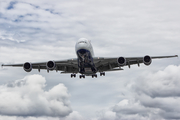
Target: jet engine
{"points": [[50, 65], [121, 61], [147, 60], [27, 67]]}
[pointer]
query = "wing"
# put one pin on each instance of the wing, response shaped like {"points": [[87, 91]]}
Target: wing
{"points": [[113, 64], [66, 66]]}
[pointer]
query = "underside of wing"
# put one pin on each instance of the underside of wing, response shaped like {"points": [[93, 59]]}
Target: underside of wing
{"points": [[66, 66], [113, 64], [102, 64]]}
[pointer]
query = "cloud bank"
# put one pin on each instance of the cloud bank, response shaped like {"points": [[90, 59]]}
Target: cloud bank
{"points": [[27, 97], [155, 96], [37, 31]]}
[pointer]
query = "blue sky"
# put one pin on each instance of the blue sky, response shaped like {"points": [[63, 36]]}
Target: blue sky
{"points": [[43, 30]]}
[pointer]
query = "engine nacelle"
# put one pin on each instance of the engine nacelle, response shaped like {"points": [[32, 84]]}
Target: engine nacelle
{"points": [[147, 60], [27, 67], [50, 65], [121, 61]]}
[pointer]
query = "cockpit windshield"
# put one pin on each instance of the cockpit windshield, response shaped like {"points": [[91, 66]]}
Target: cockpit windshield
{"points": [[82, 42]]}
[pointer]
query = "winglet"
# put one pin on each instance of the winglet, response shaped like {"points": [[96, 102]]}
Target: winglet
{"points": [[2, 65]]}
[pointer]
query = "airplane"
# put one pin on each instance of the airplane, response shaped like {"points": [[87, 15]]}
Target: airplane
{"points": [[86, 63]]}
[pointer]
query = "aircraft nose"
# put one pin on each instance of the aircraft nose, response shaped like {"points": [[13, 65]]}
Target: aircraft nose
{"points": [[82, 46]]}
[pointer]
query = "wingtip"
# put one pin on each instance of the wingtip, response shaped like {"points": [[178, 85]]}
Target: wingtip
{"points": [[176, 55]]}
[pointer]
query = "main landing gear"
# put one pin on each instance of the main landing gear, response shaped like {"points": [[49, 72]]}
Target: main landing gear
{"points": [[81, 76], [102, 73], [73, 75], [95, 75]]}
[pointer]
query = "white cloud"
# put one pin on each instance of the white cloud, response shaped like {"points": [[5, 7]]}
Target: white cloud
{"points": [[27, 97], [106, 115], [27, 118], [154, 96], [161, 84], [123, 102], [116, 28], [74, 116], [16, 37]]}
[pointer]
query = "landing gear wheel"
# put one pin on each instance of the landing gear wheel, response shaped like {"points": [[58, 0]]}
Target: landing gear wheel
{"points": [[81, 76], [102, 73], [95, 75], [73, 75]]}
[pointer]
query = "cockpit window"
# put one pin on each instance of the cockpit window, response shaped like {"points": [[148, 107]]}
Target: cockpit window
{"points": [[82, 42]]}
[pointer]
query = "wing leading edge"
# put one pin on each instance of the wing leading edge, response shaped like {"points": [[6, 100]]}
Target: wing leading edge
{"points": [[66, 66], [101, 63], [113, 64]]}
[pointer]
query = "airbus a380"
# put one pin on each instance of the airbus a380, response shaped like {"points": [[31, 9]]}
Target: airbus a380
{"points": [[86, 63]]}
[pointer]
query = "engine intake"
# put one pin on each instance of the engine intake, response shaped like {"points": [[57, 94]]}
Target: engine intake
{"points": [[147, 60], [121, 61], [50, 65], [27, 67]]}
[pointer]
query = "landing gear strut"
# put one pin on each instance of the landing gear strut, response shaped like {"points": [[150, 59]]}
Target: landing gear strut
{"points": [[73, 75]]}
